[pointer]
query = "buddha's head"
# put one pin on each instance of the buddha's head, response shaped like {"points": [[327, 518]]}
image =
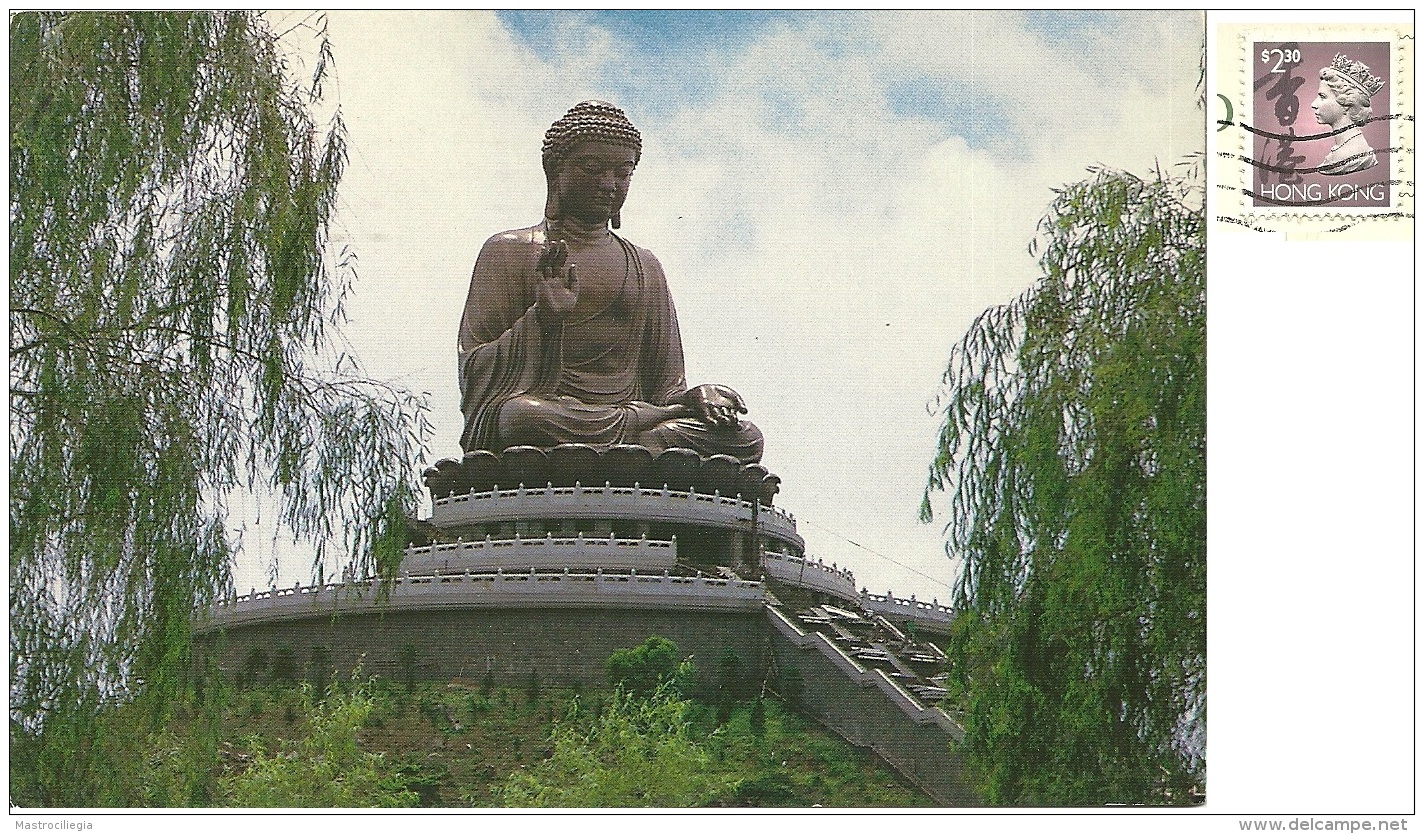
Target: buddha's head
{"points": [[1347, 85], [589, 157]]}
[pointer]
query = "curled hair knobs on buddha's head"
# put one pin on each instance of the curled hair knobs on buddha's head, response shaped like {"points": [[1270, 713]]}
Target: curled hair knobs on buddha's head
{"points": [[595, 120]]}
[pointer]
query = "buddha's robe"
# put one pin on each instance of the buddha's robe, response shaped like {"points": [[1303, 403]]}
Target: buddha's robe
{"points": [[593, 379]]}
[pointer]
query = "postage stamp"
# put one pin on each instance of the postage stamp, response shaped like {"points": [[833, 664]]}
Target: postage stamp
{"points": [[1315, 129]]}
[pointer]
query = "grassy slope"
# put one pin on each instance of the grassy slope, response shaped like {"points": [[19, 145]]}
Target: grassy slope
{"points": [[456, 745]]}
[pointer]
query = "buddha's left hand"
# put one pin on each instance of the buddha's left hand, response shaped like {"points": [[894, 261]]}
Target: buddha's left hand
{"points": [[715, 405]]}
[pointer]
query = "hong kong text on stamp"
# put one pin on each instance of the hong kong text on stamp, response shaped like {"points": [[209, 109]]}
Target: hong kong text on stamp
{"points": [[1315, 129]]}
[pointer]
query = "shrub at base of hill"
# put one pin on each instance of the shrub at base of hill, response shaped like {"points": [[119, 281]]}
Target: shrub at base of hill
{"points": [[643, 669], [640, 752], [327, 769]]}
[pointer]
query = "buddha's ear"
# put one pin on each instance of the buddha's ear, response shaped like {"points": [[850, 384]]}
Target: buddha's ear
{"points": [[617, 220], [551, 203]]}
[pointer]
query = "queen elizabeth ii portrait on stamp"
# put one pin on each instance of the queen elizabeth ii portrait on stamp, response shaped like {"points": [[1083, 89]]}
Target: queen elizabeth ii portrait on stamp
{"points": [[1343, 104]]}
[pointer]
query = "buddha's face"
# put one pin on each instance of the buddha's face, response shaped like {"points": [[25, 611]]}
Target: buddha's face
{"points": [[593, 181], [1328, 111]]}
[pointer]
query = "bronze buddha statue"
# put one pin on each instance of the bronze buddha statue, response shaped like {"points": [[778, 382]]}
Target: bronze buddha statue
{"points": [[569, 334]]}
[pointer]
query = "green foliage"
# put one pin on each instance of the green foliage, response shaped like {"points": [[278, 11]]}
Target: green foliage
{"points": [[328, 768], [788, 764], [172, 309], [658, 749], [734, 684], [643, 669], [223, 755], [1074, 444], [475, 705], [257, 703], [766, 789], [179, 770], [116, 761], [424, 778], [640, 752]]}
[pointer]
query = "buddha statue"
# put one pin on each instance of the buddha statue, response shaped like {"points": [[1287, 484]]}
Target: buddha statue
{"points": [[569, 334]]}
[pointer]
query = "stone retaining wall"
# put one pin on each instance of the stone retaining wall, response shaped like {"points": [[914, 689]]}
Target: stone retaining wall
{"points": [[563, 646]]}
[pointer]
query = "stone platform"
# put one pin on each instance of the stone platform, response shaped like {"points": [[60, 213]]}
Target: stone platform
{"points": [[542, 563], [577, 506], [620, 466]]}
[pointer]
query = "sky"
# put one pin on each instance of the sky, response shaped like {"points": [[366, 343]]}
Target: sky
{"points": [[834, 197]]}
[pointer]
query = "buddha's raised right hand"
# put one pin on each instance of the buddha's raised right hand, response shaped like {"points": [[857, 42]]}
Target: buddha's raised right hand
{"points": [[557, 291]]}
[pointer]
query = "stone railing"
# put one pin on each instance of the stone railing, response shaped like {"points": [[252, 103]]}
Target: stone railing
{"points": [[635, 502], [575, 553], [889, 605], [813, 575], [499, 589]]}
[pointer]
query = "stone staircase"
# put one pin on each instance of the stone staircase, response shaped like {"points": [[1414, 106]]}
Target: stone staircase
{"points": [[854, 679]]}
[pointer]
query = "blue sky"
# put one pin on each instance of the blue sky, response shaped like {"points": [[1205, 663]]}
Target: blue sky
{"points": [[1071, 26], [668, 59], [663, 56], [653, 33]]}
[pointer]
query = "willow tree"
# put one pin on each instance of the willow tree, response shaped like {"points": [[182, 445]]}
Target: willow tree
{"points": [[173, 310], [1074, 450]]}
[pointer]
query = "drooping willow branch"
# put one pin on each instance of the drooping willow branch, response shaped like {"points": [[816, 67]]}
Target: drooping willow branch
{"points": [[173, 310], [1073, 450]]}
